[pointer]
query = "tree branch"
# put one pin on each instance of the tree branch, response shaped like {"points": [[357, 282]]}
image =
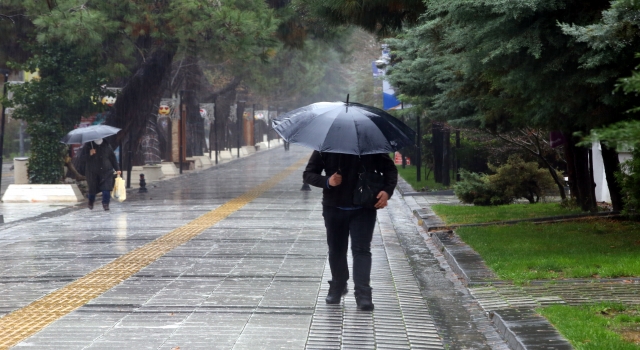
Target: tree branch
{"points": [[232, 85]]}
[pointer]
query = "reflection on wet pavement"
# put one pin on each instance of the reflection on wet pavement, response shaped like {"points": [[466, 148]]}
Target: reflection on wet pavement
{"points": [[256, 279]]}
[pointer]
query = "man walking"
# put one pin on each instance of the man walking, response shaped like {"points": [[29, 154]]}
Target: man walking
{"points": [[343, 219]]}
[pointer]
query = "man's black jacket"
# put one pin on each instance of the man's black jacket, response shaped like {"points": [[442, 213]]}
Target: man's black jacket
{"points": [[348, 166]]}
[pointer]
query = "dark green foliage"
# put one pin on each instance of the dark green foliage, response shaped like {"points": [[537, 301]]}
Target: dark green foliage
{"points": [[629, 179], [380, 16], [53, 105], [474, 188], [520, 179], [516, 179], [16, 29], [504, 66]]}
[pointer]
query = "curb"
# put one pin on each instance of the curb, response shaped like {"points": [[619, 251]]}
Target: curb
{"points": [[441, 226], [524, 329], [464, 261], [430, 193], [521, 328], [405, 189]]}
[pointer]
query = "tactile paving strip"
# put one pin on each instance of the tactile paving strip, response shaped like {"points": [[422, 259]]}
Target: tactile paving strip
{"points": [[532, 296], [401, 319], [24, 322]]}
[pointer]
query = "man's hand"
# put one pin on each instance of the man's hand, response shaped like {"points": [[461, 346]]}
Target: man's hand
{"points": [[335, 180], [382, 200], [118, 172], [92, 152]]}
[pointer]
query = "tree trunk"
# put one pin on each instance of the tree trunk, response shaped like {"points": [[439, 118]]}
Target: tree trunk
{"points": [[571, 172], [436, 132], [150, 143], [580, 177], [195, 122], [611, 167], [554, 175], [239, 124], [223, 99], [223, 107], [138, 101], [446, 158]]}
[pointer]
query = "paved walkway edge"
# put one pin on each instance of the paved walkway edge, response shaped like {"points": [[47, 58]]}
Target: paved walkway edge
{"points": [[523, 329]]}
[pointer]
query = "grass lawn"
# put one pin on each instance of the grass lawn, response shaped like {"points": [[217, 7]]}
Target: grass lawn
{"points": [[409, 174], [597, 327], [477, 214], [594, 248]]}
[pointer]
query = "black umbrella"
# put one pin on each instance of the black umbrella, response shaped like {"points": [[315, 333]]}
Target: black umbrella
{"points": [[344, 127], [89, 133]]}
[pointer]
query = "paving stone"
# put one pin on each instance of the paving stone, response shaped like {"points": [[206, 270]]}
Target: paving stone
{"points": [[255, 280]]}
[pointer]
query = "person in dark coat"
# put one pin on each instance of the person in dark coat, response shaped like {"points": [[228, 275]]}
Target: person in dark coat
{"points": [[343, 219], [100, 163]]}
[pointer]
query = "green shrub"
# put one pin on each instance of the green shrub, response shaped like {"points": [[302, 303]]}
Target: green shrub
{"points": [[474, 188], [52, 105], [629, 179], [520, 179], [516, 179]]}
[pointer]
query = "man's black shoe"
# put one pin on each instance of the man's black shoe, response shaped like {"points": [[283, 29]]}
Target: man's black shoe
{"points": [[363, 298], [336, 291], [105, 206], [90, 205]]}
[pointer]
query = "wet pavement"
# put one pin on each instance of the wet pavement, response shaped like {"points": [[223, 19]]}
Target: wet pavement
{"points": [[231, 257]]}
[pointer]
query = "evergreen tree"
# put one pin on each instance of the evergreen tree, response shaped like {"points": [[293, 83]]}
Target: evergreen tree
{"points": [[510, 65], [52, 105], [138, 41]]}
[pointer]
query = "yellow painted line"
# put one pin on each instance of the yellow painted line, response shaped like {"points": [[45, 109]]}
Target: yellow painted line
{"points": [[24, 322]]}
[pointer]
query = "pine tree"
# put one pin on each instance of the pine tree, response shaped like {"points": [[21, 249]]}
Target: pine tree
{"points": [[508, 65]]}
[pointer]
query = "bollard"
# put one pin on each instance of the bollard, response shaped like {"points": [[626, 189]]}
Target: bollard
{"points": [[305, 187], [143, 185]]}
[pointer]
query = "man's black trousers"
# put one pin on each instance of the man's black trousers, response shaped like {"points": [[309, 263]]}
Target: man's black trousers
{"points": [[340, 224]]}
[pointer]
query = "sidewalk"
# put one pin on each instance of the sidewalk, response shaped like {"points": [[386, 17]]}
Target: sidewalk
{"points": [[231, 257], [12, 212]]}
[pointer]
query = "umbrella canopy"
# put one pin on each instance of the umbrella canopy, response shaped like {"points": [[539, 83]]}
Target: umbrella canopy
{"points": [[340, 127], [90, 133]]}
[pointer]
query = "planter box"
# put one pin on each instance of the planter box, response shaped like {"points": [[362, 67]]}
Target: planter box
{"points": [[169, 169], [152, 173], [42, 193], [136, 170], [205, 161], [223, 156], [248, 149]]}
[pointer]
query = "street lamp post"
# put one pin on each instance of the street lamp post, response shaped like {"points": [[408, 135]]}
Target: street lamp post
{"points": [[4, 72]]}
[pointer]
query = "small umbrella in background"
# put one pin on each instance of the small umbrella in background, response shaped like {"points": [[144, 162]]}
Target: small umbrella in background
{"points": [[344, 127], [90, 133]]}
